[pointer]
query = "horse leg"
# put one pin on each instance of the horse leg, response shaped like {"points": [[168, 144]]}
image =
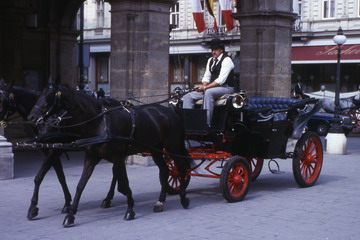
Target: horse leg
{"points": [[56, 163], [185, 202], [164, 175], [89, 166], [106, 203], [33, 209], [182, 164], [124, 187]]}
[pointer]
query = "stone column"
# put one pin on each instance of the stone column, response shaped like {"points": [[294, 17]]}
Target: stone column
{"points": [[139, 49], [11, 30], [66, 63], [6, 158], [139, 53], [265, 47]]}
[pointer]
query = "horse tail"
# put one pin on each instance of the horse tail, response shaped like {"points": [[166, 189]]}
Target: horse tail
{"points": [[189, 162]]}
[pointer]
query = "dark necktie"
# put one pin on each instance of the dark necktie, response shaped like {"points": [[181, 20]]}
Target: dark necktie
{"points": [[214, 63]]}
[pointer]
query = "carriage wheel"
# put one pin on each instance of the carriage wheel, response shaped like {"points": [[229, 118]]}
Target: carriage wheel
{"points": [[173, 182], [308, 159], [256, 165], [235, 179]]}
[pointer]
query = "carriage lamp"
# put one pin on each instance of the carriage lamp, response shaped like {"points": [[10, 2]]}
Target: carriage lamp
{"points": [[336, 140]]}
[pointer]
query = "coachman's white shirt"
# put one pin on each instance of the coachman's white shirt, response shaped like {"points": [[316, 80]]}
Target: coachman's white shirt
{"points": [[226, 67]]}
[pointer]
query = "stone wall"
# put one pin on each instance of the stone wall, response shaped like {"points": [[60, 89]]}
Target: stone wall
{"points": [[139, 49], [265, 47]]}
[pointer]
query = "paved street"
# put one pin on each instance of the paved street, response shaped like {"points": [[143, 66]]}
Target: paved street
{"points": [[275, 207]]}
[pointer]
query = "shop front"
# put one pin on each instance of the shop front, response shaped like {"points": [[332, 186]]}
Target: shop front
{"points": [[315, 67]]}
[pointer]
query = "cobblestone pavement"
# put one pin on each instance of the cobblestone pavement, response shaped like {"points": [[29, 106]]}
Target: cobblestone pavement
{"points": [[275, 207]]}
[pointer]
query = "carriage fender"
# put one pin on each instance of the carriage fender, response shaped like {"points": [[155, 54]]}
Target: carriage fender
{"points": [[301, 122], [290, 146]]}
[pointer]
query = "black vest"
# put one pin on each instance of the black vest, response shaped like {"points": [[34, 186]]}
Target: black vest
{"points": [[215, 71]]}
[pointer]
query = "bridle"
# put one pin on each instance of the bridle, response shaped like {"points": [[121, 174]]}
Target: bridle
{"points": [[52, 107], [125, 105]]}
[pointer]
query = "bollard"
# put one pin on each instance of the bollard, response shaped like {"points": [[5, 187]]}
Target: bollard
{"points": [[336, 143], [6, 157]]}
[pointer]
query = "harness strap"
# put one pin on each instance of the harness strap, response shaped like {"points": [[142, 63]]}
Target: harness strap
{"points": [[133, 123]]}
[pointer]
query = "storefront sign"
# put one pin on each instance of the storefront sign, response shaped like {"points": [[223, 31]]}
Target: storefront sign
{"points": [[325, 53]]}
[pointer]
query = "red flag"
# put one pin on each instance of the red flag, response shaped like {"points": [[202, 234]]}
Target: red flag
{"points": [[226, 13], [198, 15]]}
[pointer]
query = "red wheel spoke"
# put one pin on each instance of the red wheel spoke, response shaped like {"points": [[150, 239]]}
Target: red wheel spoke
{"points": [[171, 180], [307, 163], [236, 178]]}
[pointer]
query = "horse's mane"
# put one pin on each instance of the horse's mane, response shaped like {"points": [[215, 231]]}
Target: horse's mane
{"points": [[88, 102], [110, 101]]}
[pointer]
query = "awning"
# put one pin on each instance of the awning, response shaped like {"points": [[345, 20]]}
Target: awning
{"points": [[325, 54], [99, 48]]}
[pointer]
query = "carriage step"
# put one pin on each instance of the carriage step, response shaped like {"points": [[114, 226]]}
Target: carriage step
{"points": [[272, 170]]}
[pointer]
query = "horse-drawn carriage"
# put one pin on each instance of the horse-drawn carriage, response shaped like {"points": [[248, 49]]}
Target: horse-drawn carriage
{"points": [[244, 131], [349, 104]]}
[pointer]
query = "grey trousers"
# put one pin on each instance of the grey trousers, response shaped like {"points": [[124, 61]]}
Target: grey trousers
{"points": [[209, 96]]}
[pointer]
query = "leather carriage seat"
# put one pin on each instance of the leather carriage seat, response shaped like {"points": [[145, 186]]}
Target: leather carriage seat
{"points": [[220, 101], [276, 103]]}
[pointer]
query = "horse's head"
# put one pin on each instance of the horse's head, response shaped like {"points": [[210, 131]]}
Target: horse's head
{"points": [[7, 104], [6, 100], [47, 104]]}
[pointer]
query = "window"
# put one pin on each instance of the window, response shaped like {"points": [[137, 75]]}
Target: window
{"points": [[99, 13], [198, 68], [328, 8], [174, 15], [102, 69], [299, 6]]}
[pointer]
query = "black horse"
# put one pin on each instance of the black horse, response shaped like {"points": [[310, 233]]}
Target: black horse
{"points": [[114, 133], [17, 99]]}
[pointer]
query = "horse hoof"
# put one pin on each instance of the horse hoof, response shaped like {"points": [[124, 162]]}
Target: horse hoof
{"points": [[106, 204], [65, 209], [69, 221], [32, 213], [185, 203], [159, 207], [129, 216]]}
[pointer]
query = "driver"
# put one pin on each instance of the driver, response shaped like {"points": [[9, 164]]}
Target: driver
{"points": [[217, 80]]}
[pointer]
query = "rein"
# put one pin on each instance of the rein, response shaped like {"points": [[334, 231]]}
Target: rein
{"points": [[123, 106], [176, 95], [105, 110]]}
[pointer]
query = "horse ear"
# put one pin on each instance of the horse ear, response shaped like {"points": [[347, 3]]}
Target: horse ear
{"points": [[58, 80], [54, 83], [50, 80]]}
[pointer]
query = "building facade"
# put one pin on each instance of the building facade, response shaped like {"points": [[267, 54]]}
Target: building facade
{"points": [[313, 50], [97, 33], [314, 53]]}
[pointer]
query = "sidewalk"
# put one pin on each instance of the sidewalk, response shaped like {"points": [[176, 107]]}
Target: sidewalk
{"points": [[275, 207]]}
